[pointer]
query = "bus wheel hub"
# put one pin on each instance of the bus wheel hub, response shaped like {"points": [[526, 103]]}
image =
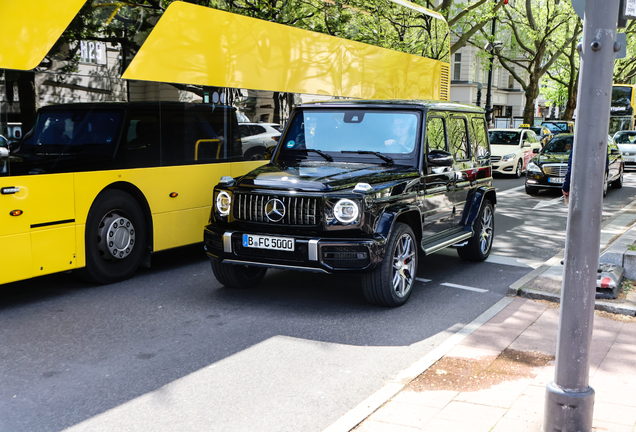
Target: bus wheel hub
{"points": [[116, 237]]}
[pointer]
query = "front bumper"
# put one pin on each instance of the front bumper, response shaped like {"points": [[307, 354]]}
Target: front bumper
{"points": [[310, 253], [507, 167]]}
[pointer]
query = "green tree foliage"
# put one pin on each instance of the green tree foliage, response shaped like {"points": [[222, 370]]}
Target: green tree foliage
{"points": [[535, 34]]}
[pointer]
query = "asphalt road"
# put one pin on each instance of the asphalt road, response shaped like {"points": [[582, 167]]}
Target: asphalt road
{"points": [[172, 350]]}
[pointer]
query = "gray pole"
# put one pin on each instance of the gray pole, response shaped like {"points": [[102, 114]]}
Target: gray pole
{"points": [[569, 404]]}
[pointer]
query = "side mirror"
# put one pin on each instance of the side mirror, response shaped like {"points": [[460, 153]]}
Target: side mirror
{"points": [[535, 150], [440, 158], [615, 151]]}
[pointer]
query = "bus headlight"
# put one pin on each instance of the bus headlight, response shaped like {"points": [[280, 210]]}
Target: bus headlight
{"points": [[346, 211], [533, 168], [223, 203], [508, 157]]}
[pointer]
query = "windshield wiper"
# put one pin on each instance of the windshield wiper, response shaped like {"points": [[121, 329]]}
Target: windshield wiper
{"points": [[320, 152], [387, 159]]}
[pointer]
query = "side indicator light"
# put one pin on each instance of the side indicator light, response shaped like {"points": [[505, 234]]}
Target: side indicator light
{"points": [[173, 194], [15, 212]]}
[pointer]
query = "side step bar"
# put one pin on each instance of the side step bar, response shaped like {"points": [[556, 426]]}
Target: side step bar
{"points": [[444, 243]]}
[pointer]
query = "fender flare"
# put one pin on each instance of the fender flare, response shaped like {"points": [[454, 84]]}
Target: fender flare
{"points": [[474, 203]]}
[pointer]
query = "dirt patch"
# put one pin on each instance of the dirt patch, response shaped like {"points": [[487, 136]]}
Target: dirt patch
{"points": [[604, 314], [462, 374]]}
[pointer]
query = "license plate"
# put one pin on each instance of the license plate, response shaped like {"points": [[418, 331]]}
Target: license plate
{"points": [[268, 242], [628, 159], [558, 180]]}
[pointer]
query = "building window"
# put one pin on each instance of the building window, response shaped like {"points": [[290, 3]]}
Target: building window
{"points": [[511, 81], [457, 71]]}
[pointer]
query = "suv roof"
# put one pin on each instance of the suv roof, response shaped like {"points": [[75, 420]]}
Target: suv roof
{"points": [[429, 104]]}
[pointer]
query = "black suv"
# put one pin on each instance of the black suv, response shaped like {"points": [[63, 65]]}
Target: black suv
{"points": [[359, 186]]}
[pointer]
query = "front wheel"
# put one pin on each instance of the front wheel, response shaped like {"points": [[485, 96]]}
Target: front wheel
{"points": [[618, 183], [480, 244], [530, 190], [392, 282], [519, 169], [237, 276], [115, 238]]}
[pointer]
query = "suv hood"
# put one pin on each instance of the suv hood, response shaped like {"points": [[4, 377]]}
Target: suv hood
{"points": [[323, 176], [503, 149]]}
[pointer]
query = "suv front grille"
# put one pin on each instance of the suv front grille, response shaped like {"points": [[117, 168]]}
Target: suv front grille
{"points": [[555, 170], [298, 210]]}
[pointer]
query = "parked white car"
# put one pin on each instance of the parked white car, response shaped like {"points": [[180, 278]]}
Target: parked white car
{"points": [[4, 147], [257, 137], [512, 149], [626, 142]]}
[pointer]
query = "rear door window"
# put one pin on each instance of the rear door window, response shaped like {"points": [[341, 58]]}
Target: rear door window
{"points": [[458, 134]]}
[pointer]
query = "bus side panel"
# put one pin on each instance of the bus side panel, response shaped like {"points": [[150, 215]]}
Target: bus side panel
{"points": [[174, 229], [53, 250], [15, 257], [47, 205]]}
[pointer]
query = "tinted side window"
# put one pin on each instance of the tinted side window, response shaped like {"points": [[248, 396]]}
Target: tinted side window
{"points": [[482, 148], [435, 134], [257, 129], [458, 135]]}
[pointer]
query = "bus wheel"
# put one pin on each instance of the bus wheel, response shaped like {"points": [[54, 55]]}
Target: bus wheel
{"points": [[115, 238], [237, 276]]}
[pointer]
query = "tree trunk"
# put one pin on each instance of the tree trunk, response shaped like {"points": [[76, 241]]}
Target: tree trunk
{"points": [[570, 106], [532, 92]]}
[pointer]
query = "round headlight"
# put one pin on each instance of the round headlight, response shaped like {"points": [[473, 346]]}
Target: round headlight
{"points": [[346, 211], [223, 203]]}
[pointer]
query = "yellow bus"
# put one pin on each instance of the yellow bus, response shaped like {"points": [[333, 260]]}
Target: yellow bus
{"points": [[622, 108], [121, 148]]}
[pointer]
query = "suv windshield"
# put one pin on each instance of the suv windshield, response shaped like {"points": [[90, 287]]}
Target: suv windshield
{"points": [[69, 132], [628, 137], [504, 137], [338, 132], [559, 144]]}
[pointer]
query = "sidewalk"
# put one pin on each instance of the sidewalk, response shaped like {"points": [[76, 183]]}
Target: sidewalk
{"points": [[495, 378], [491, 376]]}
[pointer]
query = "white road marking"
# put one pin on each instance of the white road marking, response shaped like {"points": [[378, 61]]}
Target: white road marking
{"points": [[422, 280], [512, 261], [550, 203], [509, 191], [464, 287]]}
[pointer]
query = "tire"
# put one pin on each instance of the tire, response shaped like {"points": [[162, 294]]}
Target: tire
{"points": [[605, 185], [117, 216], [618, 183], [532, 190], [480, 244], [392, 282], [237, 276], [519, 169]]}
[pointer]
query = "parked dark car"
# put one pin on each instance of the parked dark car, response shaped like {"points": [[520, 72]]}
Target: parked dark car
{"points": [[548, 168], [359, 186], [559, 126]]}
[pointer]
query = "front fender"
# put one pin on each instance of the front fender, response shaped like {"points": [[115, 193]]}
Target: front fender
{"points": [[391, 214]]}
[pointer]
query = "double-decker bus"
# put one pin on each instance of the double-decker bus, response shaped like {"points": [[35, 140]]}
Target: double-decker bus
{"points": [[131, 114], [622, 108]]}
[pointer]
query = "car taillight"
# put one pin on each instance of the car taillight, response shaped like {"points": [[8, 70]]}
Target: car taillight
{"points": [[276, 138]]}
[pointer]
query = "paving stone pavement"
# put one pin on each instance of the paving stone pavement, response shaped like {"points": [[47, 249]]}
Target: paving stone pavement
{"points": [[525, 326]]}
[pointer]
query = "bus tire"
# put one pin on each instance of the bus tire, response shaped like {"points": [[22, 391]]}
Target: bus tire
{"points": [[237, 276], [115, 238]]}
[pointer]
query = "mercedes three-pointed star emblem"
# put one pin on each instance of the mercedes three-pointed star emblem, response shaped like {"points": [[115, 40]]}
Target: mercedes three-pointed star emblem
{"points": [[275, 210]]}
